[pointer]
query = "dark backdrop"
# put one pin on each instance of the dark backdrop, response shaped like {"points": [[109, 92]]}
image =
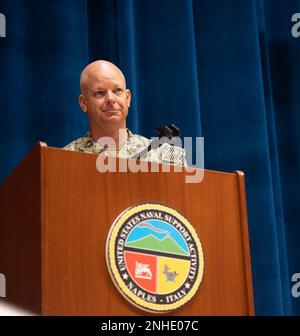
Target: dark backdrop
{"points": [[225, 70]]}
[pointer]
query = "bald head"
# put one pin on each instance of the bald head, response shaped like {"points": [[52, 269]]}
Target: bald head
{"points": [[104, 97], [99, 69]]}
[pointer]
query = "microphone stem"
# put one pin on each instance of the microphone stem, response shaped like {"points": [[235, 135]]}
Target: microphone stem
{"points": [[153, 144]]}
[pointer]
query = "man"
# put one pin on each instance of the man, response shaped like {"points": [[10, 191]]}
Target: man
{"points": [[106, 100]]}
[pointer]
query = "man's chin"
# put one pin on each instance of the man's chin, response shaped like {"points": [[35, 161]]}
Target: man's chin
{"points": [[112, 114], [113, 119]]}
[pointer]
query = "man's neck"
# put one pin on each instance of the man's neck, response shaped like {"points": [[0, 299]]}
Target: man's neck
{"points": [[119, 136]]}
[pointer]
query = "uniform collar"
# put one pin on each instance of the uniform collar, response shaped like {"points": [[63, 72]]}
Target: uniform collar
{"points": [[88, 137]]}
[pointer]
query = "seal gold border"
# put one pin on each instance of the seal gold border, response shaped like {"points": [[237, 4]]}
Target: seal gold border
{"points": [[115, 275]]}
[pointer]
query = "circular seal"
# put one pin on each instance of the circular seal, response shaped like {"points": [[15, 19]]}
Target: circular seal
{"points": [[154, 257]]}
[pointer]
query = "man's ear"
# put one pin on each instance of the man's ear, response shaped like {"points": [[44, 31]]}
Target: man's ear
{"points": [[128, 94], [82, 103]]}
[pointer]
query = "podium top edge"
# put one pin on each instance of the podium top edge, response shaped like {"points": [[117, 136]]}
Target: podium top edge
{"points": [[45, 147], [42, 144]]}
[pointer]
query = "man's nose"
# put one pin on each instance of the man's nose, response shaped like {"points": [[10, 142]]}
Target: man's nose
{"points": [[110, 97]]}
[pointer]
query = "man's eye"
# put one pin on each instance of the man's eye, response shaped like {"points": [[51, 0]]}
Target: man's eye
{"points": [[99, 93], [118, 91]]}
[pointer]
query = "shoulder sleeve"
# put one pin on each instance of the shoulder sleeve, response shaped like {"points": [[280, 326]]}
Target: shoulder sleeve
{"points": [[70, 146]]}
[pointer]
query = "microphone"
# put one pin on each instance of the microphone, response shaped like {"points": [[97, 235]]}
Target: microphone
{"points": [[169, 131], [168, 153]]}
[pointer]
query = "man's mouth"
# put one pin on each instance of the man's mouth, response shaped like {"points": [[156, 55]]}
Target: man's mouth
{"points": [[111, 111]]}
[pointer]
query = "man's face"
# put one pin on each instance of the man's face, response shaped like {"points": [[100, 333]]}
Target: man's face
{"points": [[105, 99]]}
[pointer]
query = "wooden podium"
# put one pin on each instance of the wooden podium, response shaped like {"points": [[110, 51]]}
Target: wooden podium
{"points": [[55, 213]]}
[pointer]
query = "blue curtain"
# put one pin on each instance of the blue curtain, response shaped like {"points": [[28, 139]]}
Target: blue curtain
{"points": [[226, 70]]}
